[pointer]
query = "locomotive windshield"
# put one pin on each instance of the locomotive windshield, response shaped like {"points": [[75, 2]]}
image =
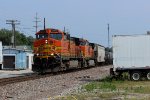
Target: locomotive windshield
{"points": [[83, 43], [41, 36], [57, 36]]}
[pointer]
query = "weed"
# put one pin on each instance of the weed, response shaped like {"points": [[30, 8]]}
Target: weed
{"points": [[108, 88], [90, 87], [107, 79]]}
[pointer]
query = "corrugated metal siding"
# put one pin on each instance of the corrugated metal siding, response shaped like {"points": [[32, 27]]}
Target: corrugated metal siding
{"points": [[131, 51], [21, 62], [10, 51]]}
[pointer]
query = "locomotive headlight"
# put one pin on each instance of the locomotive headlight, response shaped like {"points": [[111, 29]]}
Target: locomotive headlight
{"points": [[52, 54], [46, 41]]}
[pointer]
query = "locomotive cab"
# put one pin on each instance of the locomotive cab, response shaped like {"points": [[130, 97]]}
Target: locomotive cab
{"points": [[48, 42], [47, 49]]}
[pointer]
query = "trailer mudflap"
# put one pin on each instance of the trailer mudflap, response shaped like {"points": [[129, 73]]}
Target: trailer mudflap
{"points": [[111, 72]]}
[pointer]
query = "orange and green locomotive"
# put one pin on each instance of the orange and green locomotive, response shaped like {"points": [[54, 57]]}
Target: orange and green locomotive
{"points": [[55, 50]]}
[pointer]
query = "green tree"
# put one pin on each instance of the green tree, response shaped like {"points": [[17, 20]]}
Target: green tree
{"points": [[21, 39], [5, 36], [30, 40]]}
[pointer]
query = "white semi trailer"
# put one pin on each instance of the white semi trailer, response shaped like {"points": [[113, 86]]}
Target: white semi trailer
{"points": [[131, 53], [1, 56]]}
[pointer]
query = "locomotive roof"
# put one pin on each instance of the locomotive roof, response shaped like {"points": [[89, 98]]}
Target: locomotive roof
{"points": [[50, 30], [97, 44]]}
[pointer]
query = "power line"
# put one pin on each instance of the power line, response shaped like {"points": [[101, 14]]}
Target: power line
{"points": [[13, 23], [36, 22], [27, 33], [28, 30]]}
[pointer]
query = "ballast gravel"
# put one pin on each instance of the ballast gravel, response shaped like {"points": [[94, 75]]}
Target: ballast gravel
{"points": [[49, 87]]}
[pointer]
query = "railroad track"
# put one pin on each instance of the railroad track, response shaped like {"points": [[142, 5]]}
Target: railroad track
{"points": [[10, 80]]}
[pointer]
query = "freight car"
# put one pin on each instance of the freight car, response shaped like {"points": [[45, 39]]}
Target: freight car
{"points": [[99, 53], [55, 50]]}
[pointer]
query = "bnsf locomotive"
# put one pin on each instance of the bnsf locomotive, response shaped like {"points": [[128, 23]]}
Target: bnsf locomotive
{"points": [[55, 50]]}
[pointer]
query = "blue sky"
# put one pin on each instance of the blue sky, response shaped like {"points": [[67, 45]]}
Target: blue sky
{"points": [[83, 18]]}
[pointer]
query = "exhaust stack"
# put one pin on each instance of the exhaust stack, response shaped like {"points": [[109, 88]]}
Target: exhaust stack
{"points": [[44, 23]]}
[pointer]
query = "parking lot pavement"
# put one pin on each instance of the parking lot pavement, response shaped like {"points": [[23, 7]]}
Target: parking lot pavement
{"points": [[14, 73]]}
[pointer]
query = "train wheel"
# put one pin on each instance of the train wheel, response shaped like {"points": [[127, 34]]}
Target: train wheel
{"points": [[41, 71], [85, 63], [79, 64], [55, 69]]}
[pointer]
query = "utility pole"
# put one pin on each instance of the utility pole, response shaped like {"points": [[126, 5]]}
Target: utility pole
{"points": [[36, 22], [108, 35], [13, 38], [64, 29]]}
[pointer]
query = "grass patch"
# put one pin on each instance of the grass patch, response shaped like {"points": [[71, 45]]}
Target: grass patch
{"points": [[108, 89], [105, 86]]}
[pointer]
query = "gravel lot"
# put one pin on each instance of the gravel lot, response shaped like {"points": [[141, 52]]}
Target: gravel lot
{"points": [[41, 89]]}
